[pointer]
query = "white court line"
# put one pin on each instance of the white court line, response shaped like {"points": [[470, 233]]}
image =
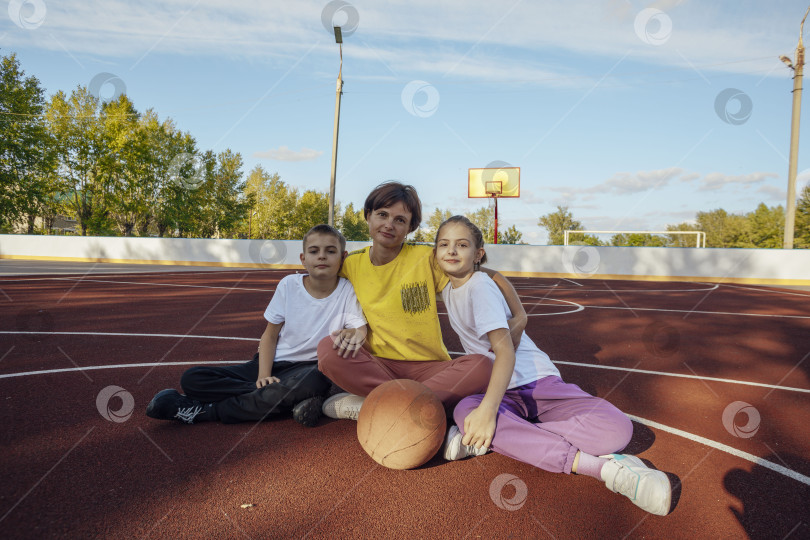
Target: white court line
{"points": [[704, 312], [118, 366], [228, 338], [685, 434], [163, 284], [127, 334], [685, 376], [712, 288], [781, 291], [725, 448]]}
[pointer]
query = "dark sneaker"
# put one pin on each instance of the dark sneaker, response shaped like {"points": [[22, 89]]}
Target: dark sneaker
{"points": [[308, 412], [172, 405]]}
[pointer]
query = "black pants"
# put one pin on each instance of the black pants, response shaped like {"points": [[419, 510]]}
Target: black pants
{"points": [[233, 388]]}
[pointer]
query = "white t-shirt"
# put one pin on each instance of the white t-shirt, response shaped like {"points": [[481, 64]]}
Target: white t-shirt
{"points": [[478, 307], [308, 320]]}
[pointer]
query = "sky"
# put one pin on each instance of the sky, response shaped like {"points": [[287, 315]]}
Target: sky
{"points": [[633, 114]]}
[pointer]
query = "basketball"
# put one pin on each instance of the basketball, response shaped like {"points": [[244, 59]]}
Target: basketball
{"points": [[401, 424]]}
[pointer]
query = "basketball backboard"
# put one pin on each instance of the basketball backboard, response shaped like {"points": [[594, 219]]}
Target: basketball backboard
{"points": [[493, 182]]}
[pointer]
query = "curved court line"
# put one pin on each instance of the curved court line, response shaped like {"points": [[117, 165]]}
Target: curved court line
{"points": [[685, 376], [725, 448], [675, 431], [127, 334], [692, 311], [579, 307], [228, 338], [712, 288], [161, 284], [117, 366]]}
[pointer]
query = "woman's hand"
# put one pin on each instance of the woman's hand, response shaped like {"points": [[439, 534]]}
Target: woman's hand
{"points": [[348, 341]]}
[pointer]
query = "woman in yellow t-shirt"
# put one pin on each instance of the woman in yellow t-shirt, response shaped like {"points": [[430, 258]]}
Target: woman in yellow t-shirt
{"points": [[396, 284]]}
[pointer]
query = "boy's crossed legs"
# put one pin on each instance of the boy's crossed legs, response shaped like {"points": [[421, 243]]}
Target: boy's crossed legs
{"points": [[229, 394]]}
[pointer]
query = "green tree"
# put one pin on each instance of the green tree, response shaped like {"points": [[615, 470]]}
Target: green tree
{"points": [[682, 240], [638, 239], [427, 233], [311, 208], [74, 123], [556, 223], [725, 230], [801, 232], [766, 226], [510, 236], [125, 165], [561, 220], [230, 205], [273, 202], [27, 160], [353, 225]]}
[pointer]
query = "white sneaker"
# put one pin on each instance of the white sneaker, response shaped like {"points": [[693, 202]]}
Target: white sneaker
{"points": [[648, 488], [343, 406], [454, 450]]}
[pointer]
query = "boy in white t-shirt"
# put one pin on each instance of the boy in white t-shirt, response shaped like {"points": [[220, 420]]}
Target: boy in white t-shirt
{"points": [[283, 375]]}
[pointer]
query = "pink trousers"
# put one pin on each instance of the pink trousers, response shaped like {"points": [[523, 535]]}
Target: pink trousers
{"points": [[568, 419]]}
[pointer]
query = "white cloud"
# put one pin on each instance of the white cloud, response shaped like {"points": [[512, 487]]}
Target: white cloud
{"points": [[773, 193], [716, 181], [477, 38], [625, 183], [285, 154]]}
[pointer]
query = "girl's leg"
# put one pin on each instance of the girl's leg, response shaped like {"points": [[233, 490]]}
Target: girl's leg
{"points": [[591, 424], [570, 420], [518, 438]]}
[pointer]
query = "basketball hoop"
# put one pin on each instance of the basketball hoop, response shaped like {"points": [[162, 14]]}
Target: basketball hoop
{"points": [[494, 188], [493, 183]]}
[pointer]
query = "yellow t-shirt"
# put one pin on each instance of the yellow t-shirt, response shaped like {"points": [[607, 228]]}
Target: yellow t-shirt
{"points": [[399, 302]]}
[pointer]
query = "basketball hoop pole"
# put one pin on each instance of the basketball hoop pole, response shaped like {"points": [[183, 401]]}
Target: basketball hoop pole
{"points": [[495, 196]]}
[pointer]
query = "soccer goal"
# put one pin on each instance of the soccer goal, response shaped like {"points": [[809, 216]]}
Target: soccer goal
{"points": [[700, 236]]}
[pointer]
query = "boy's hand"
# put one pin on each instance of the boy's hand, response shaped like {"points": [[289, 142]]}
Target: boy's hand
{"points": [[348, 341], [264, 381], [479, 428]]}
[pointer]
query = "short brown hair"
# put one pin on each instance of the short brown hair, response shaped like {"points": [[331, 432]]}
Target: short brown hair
{"points": [[328, 230], [392, 192]]}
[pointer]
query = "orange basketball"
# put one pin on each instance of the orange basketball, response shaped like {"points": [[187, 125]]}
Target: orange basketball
{"points": [[401, 424]]}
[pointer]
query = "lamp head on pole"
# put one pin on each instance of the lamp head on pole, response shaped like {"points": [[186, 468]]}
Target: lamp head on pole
{"points": [[338, 35], [787, 61]]}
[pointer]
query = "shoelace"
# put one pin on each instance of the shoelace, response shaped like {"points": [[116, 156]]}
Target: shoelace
{"points": [[626, 483], [188, 414]]}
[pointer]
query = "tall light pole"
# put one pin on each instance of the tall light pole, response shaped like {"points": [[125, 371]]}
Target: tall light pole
{"points": [[338, 93], [790, 211]]}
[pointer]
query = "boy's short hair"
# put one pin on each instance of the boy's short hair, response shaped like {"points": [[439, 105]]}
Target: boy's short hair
{"points": [[392, 192], [323, 228]]}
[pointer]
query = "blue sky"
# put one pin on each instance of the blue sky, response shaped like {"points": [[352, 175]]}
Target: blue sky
{"points": [[634, 114]]}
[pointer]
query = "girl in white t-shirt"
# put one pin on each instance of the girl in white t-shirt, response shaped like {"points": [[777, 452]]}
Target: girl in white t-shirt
{"points": [[528, 413]]}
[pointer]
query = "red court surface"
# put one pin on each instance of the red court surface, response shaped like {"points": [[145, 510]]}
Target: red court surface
{"points": [[715, 377]]}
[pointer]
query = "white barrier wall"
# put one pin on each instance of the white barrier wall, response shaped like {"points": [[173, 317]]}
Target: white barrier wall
{"points": [[764, 266]]}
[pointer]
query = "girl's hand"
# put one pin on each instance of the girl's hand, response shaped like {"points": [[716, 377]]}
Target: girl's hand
{"points": [[348, 341], [479, 428], [265, 381]]}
